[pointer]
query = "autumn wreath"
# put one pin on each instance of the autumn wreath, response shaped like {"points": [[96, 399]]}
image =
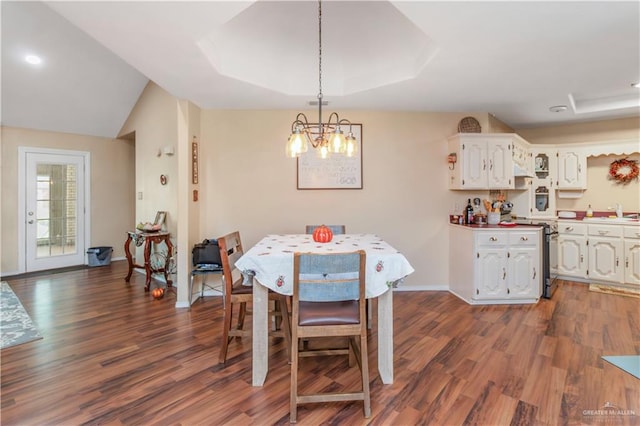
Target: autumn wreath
{"points": [[624, 170]]}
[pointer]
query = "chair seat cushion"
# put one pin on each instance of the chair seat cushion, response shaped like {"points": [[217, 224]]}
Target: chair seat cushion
{"points": [[329, 313], [238, 288]]}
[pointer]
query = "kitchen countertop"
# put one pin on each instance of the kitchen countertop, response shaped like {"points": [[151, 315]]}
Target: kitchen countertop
{"points": [[504, 228]]}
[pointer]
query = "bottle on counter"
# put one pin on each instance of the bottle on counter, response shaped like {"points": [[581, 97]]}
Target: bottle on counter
{"points": [[589, 211], [468, 213]]}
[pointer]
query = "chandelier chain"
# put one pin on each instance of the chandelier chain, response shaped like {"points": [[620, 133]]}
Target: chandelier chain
{"points": [[320, 51]]}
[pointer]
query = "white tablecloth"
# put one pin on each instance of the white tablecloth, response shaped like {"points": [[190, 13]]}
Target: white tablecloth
{"points": [[271, 260]]}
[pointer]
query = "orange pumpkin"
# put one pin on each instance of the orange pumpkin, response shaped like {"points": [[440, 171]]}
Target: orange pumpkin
{"points": [[157, 293], [322, 234]]}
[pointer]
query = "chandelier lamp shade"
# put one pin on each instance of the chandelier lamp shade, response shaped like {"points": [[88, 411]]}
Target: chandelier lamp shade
{"points": [[327, 137]]}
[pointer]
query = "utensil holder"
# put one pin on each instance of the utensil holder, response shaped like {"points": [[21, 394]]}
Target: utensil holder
{"points": [[493, 218]]}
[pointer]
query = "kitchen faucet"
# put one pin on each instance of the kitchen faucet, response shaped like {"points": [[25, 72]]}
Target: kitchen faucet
{"points": [[618, 209]]}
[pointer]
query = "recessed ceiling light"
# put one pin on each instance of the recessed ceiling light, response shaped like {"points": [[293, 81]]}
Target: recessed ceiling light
{"points": [[33, 59], [636, 85], [558, 108]]}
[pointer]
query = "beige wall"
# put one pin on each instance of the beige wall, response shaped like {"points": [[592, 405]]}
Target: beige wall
{"points": [[247, 183], [154, 122], [250, 185], [596, 131], [159, 120], [112, 187]]}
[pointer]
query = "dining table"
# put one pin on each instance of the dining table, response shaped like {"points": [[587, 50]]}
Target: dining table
{"points": [[269, 264]]}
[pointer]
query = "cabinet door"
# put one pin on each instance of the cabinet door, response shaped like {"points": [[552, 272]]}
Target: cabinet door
{"points": [[572, 256], [524, 273], [491, 273], [543, 199], [543, 185], [605, 259], [500, 165], [474, 164], [572, 169], [632, 262]]}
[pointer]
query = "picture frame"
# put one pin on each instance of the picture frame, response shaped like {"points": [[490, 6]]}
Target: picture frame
{"points": [[160, 218], [194, 161], [335, 172]]}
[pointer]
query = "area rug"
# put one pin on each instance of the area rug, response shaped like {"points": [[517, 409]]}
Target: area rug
{"points": [[628, 363], [600, 288], [16, 326]]}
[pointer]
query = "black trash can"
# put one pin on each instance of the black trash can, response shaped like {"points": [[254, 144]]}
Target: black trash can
{"points": [[99, 256]]}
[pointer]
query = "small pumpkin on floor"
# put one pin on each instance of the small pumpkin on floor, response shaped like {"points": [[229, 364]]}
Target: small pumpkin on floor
{"points": [[157, 293]]}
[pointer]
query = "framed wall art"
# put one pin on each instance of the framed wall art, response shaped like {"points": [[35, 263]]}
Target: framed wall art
{"points": [[194, 161], [336, 172]]}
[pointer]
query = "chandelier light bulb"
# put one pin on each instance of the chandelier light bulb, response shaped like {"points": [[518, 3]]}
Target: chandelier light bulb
{"points": [[297, 144]]}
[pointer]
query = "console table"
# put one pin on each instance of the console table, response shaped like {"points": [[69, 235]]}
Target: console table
{"points": [[148, 238]]}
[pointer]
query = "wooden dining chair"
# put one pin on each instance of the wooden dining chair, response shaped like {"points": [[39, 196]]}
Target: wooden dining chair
{"points": [[336, 229], [329, 301], [238, 293]]}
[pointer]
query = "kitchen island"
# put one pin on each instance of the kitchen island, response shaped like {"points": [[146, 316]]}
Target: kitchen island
{"points": [[494, 264]]}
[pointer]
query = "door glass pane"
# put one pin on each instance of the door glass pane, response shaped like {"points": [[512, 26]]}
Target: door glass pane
{"points": [[56, 209]]}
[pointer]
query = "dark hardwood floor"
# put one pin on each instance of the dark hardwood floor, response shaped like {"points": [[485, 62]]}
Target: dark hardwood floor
{"points": [[113, 355]]}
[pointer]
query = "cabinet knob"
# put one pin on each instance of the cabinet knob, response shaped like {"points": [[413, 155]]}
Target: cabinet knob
{"points": [[504, 273], [603, 232], [534, 274], [617, 261], [581, 258], [484, 164], [569, 228], [524, 239], [493, 239], [626, 262]]}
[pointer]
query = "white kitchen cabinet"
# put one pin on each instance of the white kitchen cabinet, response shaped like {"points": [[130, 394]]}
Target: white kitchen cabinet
{"points": [[524, 264], [484, 161], [606, 253], [572, 249], [543, 190], [572, 169], [599, 252], [521, 155], [495, 265], [632, 255]]}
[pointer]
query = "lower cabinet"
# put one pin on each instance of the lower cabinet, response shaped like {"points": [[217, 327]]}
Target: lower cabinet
{"points": [[607, 253], [572, 249], [632, 255], [495, 265]]}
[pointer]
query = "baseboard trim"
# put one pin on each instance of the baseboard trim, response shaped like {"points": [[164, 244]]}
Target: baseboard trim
{"points": [[441, 287]]}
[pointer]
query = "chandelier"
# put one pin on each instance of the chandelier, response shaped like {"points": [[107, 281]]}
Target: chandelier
{"points": [[326, 137]]}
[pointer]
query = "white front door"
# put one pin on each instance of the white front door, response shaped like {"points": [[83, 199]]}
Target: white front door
{"points": [[54, 209]]}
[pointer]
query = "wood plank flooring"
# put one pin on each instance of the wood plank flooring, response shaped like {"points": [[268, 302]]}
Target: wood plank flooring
{"points": [[113, 355]]}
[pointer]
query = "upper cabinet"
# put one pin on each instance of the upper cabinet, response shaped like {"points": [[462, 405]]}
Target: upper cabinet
{"points": [[481, 161], [572, 169]]}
